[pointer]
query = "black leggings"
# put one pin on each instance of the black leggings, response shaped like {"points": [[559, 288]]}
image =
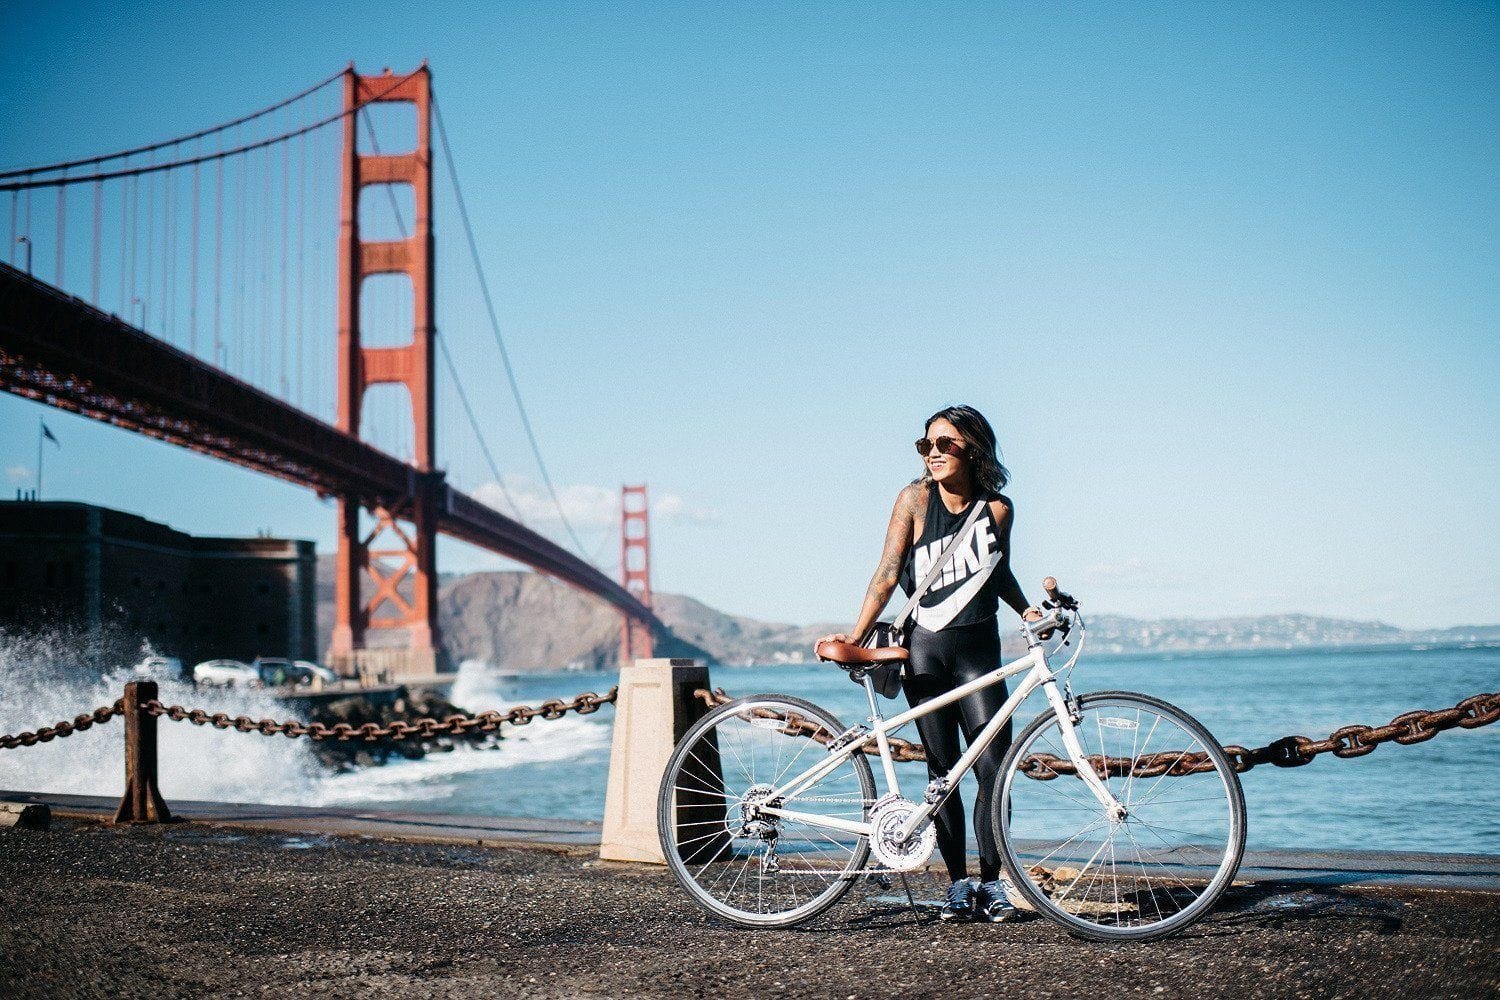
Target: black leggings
{"points": [[940, 661]]}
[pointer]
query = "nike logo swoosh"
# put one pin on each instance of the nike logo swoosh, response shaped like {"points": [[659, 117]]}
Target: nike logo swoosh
{"points": [[943, 612]]}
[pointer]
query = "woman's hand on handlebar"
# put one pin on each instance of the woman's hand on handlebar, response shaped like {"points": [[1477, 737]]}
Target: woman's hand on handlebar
{"points": [[1034, 614]]}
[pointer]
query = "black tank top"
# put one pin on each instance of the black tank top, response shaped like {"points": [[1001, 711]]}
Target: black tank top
{"points": [[965, 593]]}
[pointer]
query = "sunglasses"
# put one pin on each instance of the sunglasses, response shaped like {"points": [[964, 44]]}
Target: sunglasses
{"points": [[946, 445]]}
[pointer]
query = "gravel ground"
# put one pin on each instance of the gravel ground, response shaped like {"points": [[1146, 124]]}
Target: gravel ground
{"points": [[90, 911]]}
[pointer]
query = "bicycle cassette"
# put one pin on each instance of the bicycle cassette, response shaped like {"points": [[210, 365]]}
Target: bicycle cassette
{"points": [[886, 821]]}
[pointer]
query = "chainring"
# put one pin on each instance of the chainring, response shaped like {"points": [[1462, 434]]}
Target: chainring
{"points": [[885, 822]]}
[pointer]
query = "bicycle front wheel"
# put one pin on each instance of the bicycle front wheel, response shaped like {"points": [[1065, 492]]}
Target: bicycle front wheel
{"points": [[743, 865], [1148, 874]]}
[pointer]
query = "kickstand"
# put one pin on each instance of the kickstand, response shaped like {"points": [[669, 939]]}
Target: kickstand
{"points": [[910, 900]]}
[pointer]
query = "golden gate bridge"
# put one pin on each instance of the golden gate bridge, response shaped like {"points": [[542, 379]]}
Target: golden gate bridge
{"points": [[194, 290]]}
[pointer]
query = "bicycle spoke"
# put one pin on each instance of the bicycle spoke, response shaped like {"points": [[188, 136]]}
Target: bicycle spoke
{"points": [[756, 875], [1123, 888], [776, 781], [1135, 758]]}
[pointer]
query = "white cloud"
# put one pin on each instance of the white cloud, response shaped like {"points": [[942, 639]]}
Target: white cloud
{"points": [[17, 473], [675, 508], [586, 506]]}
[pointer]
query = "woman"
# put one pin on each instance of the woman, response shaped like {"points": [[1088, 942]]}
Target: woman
{"points": [[955, 637]]}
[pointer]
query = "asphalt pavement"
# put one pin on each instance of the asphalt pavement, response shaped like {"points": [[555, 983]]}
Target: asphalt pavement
{"points": [[192, 910]]}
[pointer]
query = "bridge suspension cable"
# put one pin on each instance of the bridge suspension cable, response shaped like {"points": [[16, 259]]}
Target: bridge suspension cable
{"points": [[154, 168], [250, 208], [193, 240], [489, 305], [168, 143], [463, 395]]}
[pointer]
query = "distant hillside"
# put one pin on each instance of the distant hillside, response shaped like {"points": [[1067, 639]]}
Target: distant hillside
{"points": [[1117, 634], [526, 621]]}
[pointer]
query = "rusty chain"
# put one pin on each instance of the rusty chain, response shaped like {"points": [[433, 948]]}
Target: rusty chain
{"points": [[797, 725], [1289, 751], [88, 720], [453, 725]]}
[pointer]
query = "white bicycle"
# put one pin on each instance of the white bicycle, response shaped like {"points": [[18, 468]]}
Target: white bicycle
{"points": [[1118, 815]]}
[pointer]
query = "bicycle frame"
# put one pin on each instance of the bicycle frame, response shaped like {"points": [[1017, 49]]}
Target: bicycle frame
{"points": [[1038, 675]]}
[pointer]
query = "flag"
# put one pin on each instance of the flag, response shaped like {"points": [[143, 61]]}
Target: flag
{"points": [[47, 433]]}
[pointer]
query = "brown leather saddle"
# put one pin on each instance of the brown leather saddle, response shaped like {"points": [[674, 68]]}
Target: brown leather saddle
{"points": [[881, 663], [847, 654]]}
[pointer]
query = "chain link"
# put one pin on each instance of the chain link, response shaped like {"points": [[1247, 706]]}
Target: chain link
{"points": [[88, 720], [1289, 751], [453, 725]]}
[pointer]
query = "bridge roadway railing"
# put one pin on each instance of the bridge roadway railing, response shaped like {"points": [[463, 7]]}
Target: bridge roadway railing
{"points": [[59, 350]]}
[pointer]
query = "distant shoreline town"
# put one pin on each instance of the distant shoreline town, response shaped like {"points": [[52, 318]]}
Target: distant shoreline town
{"points": [[525, 621]]}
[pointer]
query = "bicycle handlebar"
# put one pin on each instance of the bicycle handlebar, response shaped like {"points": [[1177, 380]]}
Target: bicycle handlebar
{"points": [[1057, 597], [1044, 625], [1060, 612]]}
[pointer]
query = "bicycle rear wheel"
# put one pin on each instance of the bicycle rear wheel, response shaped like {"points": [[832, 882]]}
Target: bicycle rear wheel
{"points": [[1154, 872], [736, 863]]}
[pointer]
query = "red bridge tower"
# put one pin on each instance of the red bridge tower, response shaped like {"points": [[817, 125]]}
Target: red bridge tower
{"points": [[397, 550], [635, 570]]}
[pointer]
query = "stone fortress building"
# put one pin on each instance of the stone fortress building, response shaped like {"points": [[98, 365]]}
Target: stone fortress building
{"points": [[122, 581]]}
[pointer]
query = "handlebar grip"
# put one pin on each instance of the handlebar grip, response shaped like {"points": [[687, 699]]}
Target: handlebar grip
{"points": [[1057, 597]]}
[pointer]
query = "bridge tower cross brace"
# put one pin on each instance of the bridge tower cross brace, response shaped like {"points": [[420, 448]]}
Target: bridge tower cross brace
{"points": [[402, 544], [635, 570]]}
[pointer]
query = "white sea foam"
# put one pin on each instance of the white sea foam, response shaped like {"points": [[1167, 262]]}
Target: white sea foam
{"points": [[42, 683]]}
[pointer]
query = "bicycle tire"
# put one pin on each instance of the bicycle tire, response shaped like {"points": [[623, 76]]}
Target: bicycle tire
{"points": [[690, 752], [1225, 865]]}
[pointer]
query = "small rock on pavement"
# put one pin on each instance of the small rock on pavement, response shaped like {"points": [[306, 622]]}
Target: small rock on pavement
{"points": [[28, 815]]}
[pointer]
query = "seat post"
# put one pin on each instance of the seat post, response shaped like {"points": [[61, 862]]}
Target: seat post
{"points": [[876, 723], [869, 686]]}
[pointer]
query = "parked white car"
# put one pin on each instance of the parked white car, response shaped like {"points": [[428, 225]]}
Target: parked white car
{"points": [[226, 673], [159, 668]]}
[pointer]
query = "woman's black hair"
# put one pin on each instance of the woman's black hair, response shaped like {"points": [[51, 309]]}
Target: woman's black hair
{"points": [[983, 453]]}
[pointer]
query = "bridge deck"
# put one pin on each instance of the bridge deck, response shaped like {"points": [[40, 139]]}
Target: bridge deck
{"points": [[59, 350]]}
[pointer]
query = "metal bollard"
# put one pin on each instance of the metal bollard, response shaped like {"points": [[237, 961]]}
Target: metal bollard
{"points": [[142, 802]]}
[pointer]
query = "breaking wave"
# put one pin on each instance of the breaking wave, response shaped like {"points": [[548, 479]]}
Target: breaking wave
{"points": [[44, 679]]}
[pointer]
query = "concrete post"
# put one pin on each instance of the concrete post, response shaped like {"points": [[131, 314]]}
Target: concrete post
{"points": [[655, 707]]}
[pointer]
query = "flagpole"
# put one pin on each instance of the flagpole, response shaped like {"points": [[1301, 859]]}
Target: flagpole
{"points": [[40, 430]]}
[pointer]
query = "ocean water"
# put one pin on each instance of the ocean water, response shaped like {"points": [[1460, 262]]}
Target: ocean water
{"points": [[1435, 796]]}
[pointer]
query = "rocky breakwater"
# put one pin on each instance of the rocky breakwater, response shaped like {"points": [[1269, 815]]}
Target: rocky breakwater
{"points": [[383, 707]]}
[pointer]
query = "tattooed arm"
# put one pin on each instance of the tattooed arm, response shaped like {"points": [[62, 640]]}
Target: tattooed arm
{"points": [[911, 504]]}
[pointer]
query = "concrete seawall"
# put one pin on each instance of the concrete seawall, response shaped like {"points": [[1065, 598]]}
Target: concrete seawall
{"points": [[1476, 872]]}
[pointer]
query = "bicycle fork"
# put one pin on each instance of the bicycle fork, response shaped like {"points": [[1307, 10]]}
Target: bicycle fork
{"points": [[1113, 807]]}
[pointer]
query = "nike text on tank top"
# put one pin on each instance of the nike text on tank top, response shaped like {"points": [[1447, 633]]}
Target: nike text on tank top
{"points": [[965, 593]]}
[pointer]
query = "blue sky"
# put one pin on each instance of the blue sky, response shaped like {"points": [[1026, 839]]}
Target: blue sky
{"points": [[1225, 279]]}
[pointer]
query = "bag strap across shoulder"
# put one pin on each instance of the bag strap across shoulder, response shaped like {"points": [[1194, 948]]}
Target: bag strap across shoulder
{"points": [[937, 565]]}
